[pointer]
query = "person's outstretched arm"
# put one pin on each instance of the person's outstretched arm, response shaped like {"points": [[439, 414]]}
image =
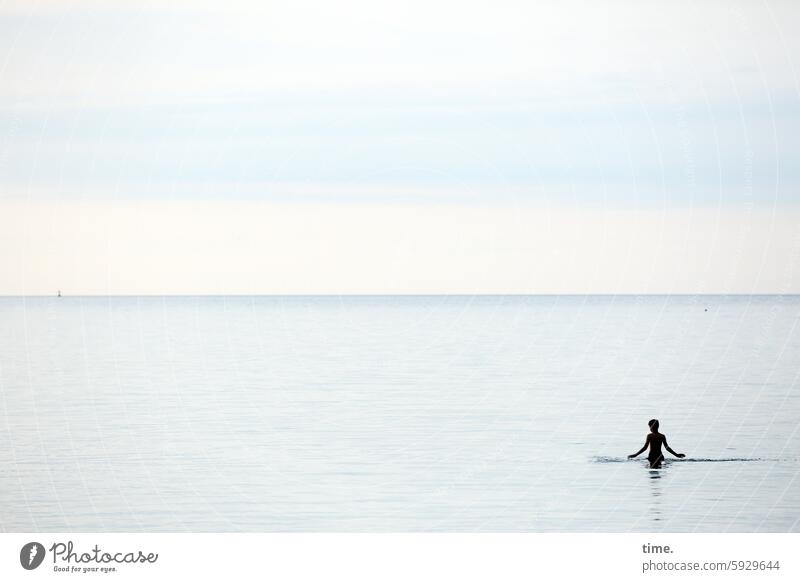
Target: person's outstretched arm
{"points": [[666, 446], [646, 442]]}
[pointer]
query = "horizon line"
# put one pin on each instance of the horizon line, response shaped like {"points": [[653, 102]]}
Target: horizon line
{"points": [[603, 294]]}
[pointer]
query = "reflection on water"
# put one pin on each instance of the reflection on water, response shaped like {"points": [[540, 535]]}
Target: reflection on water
{"points": [[655, 491]]}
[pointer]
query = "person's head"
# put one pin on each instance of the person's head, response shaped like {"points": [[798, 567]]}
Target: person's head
{"points": [[653, 424]]}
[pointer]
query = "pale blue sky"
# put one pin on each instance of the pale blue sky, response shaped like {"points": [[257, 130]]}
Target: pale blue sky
{"points": [[619, 106]]}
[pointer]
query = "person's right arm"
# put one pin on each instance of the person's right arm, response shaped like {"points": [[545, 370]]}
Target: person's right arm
{"points": [[666, 446]]}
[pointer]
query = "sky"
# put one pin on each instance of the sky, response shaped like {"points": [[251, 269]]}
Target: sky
{"points": [[414, 147]]}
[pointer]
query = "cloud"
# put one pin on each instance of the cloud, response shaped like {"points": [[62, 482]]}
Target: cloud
{"points": [[438, 108], [251, 247]]}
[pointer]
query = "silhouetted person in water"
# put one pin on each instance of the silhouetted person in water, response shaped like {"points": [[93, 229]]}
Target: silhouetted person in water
{"points": [[654, 441]]}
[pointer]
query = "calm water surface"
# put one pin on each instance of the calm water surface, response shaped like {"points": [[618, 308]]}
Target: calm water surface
{"points": [[398, 413]]}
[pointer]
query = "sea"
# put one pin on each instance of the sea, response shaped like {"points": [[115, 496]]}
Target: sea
{"points": [[449, 413]]}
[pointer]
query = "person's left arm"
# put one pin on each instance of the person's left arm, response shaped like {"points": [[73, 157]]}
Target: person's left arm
{"points": [[646, 444]]}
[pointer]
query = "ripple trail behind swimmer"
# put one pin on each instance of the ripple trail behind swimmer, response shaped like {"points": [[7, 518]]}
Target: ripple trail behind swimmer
{"points": [[605, 459]]}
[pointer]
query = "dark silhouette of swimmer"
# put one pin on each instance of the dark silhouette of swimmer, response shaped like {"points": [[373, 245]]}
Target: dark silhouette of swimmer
{"points": [[654, 440]]}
